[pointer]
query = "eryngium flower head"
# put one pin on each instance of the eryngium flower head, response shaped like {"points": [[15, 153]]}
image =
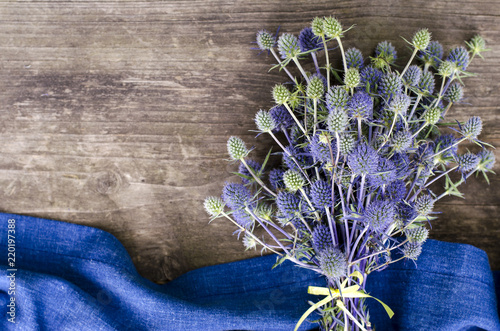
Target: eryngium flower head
{"points": [[320, 151], [236, 148], [281, 117], [317, 26], [472, 128], [308, 41], [347, 143], [396, 190], [321, 194], [370, 78], [412, 76], [363, 160], [276, 179], [332, 27], [264, 121], [426, 84], [460, 57], [445, 142], [265, 40], [432, 54], [293, 180], [424, 204], [385, 174], [390, 85], [401, 141], [352, 77], [417, 235], [236, 196], [213, 206], [477, 45], [421, 39], [321, 238], [467, 162], [254, 165], [292, 153], [249, 242], [412, 250], [379, 215], [386, 52], [333, 263], [399, 104], [454, 93], [281, 94], [405, 213], [315, 88], [354, 58], [486, 160], [432, 115], [243, 218], [288, 46], [446, 68], [360, 106], [288, 204], [336, 97], [337, 120]]}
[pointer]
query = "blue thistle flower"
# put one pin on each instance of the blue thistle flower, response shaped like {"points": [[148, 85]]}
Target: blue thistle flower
{"points": [[321, 151], [281, 117], [300, 226], [379, 215], [467, 162], [396, 190], [445, 141], [459, 56], [426, 84], [243, 218], [276, 179], [321, 194], [236, 196], [399, 104], [354, 58], [295, 153], [412, 76], [386, 173], [386, 52], [254, 165], [486, 160], [417, 235], [412, 250], [363, 160], [288, 46], [288, 204], [333, 263], [401, 141], [424, 204], [370, 77], [405, 213], [454, 93], [472, 128], [390, 85], [336, 97], [321, 238], [402, 163], [265, 40], [432, 54], [360, 106], [308, 41]]}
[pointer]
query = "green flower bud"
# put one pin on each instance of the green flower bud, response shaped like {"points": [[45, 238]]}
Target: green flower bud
{"points": [[477, 45], [213, 206], [293, 180], [281, 94], [236, 148], [264, 121], [412, 250], [332, 27], [352, 78], [446, 68], [337, 120], [421, 39], [347, 142], [432, 115], [417, 235], [249, 242], [265, 40], [317, 27], [315, 88]]}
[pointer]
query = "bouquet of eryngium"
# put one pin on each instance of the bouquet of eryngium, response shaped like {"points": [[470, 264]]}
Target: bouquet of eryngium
{"points": [[361, 147]]}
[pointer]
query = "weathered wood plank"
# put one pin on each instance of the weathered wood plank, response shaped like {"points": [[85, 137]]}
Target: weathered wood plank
{"points": [[115, 114]]}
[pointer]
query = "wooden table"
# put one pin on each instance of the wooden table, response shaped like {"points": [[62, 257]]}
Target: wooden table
{"points": [[115, 114]]}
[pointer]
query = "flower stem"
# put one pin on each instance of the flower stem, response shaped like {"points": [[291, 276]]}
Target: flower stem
{"points": [[342, 52], [283, 67], [408, 64], [257, 179]]}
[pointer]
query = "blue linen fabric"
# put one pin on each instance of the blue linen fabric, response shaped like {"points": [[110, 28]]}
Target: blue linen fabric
{"points": [[73, 277]]}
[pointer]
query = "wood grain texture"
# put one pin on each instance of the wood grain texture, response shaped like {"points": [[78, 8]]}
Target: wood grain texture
{"points": [[115, 114]]}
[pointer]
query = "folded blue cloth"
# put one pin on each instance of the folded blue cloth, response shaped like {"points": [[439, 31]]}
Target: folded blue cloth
{"points": [[73, 277]]}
